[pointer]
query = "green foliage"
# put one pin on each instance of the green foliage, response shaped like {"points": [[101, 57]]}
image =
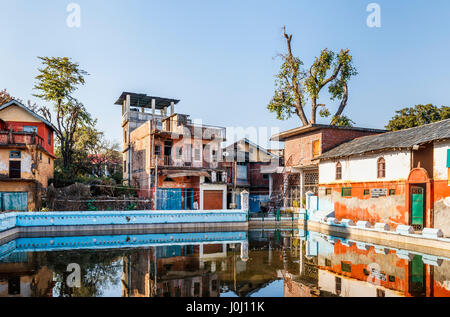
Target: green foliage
{"points": [[417, 116], [285, 98], [293, 85], [58, 79], [342, 121]]}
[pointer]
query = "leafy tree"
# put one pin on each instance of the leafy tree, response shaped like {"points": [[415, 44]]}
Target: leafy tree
{"points": [[417, 116], [294, 85], [56, 83]]}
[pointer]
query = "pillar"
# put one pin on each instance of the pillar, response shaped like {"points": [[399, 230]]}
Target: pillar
{"points": [[153, 106], [172, 108], [245, 201]]}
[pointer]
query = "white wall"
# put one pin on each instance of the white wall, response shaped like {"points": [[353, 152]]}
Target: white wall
{"points": [[364, 168], [440, 160]]}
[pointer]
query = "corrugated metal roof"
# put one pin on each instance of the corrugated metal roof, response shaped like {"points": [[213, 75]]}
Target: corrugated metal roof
{"points": [[403, 139]]}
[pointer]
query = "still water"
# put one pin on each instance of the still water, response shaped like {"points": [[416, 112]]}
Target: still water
{"points": [[262, 263]]}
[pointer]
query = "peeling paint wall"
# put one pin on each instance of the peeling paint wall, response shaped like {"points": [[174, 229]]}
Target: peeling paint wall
{"points": [[441, 187]]}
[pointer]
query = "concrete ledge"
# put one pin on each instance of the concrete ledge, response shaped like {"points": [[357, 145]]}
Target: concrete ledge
{"points": [[438, 247], [405, 229], [382, 227], [432, 233], [363, 224]]}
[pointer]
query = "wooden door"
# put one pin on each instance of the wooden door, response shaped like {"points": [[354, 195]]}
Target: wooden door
{"points": [[213, 200]]}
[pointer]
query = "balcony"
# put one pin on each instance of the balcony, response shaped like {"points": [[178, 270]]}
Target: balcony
{"points": [[9, 138]]}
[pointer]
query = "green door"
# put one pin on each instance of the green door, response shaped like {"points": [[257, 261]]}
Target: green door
{"points": [[417, 276], [417, 208]]}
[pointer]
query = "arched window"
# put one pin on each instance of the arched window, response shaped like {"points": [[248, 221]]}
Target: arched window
{"points": [[338, 171], [381, 168]]}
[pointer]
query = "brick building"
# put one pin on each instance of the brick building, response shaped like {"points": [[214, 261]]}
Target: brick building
{"points": [[26, 157], [245, 162], [302, 145], [399, 177], [169, 158]]}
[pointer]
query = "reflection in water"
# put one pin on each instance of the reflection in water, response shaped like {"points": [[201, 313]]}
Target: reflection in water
{"points": [[271, 263]]}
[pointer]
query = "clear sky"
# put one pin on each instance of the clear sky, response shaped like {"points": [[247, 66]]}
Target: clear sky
{"points": [[218, 56]]}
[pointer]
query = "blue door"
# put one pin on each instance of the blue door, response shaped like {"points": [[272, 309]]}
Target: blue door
{"points": [[14, 201], [169, 199]]}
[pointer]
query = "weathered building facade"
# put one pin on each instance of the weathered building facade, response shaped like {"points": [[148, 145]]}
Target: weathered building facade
{"points": [[26, 157], [301, 147], [170, 159], [398, 178], [245, 162]]}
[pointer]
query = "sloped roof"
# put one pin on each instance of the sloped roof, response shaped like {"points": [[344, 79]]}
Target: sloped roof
{"points": [[34, 114], [281, 137], [403, 139]]}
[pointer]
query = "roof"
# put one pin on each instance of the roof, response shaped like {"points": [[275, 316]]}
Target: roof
{"points": [[144, 101], [245, 140], [314, 127], [34, 114], [403, 139]]}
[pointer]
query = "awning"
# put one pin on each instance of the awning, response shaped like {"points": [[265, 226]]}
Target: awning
{"points": [[185, 173]]}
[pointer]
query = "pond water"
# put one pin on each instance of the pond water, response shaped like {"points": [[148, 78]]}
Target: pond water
{"points": [[261, 263]]}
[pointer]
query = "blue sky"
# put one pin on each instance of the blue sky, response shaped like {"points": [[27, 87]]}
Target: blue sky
{"points": [[218, 56]]}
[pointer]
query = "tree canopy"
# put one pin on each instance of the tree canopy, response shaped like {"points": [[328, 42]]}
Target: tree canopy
{"points": [[294, 85], [417, 116]]}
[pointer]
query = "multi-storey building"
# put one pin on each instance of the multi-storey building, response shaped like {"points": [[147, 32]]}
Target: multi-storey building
{"points": [[26, 157], [169, 158]]}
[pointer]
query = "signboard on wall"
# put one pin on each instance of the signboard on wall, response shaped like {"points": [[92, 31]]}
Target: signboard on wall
{"points": [[378, 192]]}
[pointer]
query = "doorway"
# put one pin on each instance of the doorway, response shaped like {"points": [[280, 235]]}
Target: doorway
{"points": [[418, 206]]}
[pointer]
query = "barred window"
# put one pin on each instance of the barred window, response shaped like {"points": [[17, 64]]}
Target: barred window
{"points": [[338, 171], [381, 168]]}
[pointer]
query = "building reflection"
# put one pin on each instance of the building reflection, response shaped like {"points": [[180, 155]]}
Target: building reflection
{"points": [[22, 276], [336, 267]]}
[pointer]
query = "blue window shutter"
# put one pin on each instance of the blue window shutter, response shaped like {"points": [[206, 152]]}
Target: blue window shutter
{"points": [[448, 158]]}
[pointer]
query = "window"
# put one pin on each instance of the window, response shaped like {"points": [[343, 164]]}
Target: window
{"points": [[158, 150], [338, 171], [214, 156], [391, 192], [40, 156], [14, 169], [197, 154], [14, 154], [316, 148], [30, 129], [338, 285], [49, 138], [14, 285], [328, 191], [125, 137], [366, 192], [346, 192], [346, 267], [265, 177], [381, 168], [391, 278], [48, 160], [380, 293], [124, 166], [179, 152]]}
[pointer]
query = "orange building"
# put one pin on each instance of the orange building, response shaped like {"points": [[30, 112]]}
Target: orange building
{"points": [[26, 157], [397, 178], [169, 158]]}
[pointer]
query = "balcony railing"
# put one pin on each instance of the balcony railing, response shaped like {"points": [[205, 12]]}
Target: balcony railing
{"points": [[20, 138]]}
